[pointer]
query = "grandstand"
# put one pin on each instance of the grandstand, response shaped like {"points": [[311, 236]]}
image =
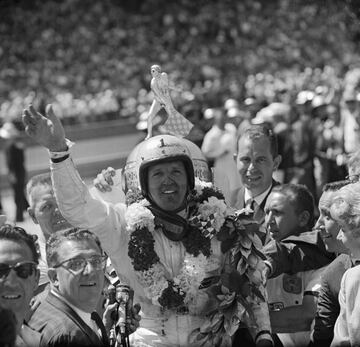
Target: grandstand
{"points": [[91, 59]]}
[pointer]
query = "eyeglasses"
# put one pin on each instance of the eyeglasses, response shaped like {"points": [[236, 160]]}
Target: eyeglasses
{"points": [[78, 265], [23, 269]]}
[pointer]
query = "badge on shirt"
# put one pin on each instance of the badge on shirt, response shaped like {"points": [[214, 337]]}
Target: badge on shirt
{"points": [[292, 284]]}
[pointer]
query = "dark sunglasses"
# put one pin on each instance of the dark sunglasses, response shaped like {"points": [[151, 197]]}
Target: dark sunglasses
{"points": [[23, 269]]}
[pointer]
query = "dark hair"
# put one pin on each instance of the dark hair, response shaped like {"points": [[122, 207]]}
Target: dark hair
{"points": [[256, 131], [334, 186], [43, 179], [19, 235], [300, 197], [73, 234]]}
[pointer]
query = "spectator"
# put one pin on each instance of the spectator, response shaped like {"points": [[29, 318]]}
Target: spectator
{"points": [[298, 250], [328, 307], [18, 279], [257, 159], [350, 118], [292, 297], [44, 211], [67, 316], [330, 147], [219, 145], [15, 160], [345, 209], [302, 139], [166, 176]]}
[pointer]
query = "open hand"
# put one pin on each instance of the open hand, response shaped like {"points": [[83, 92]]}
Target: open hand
{"points": [[45, 130]]}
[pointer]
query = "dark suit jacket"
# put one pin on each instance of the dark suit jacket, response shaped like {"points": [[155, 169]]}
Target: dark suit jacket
{"points": [[60, 325], [237, 200]]}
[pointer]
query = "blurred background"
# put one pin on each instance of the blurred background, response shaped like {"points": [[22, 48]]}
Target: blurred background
{"points": [[91, 60]]}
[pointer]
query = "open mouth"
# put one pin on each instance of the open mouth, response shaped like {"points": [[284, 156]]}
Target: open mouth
{"points": [[61, 224], [253, 178], [169, 191], [11, 296]]}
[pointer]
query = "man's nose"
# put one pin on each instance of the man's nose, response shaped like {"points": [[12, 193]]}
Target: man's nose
{"points": [[89, 268], [269, 219], [168, 178], [251, 166], [12, 276], [319, 223]]}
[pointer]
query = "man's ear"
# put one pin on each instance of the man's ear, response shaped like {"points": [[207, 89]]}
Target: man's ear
{"points": [[53, 277], [277, 161], [304, 218], [32, 215]]}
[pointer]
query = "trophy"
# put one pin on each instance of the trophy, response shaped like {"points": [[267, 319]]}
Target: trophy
{"points": [[176, 124]]}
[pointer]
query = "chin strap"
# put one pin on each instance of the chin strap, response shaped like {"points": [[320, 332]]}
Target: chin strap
{"points": [[174, 227]]}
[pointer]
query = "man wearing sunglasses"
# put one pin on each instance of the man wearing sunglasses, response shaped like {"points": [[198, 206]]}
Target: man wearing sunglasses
{"points": [[19, 278], [76, 270]]}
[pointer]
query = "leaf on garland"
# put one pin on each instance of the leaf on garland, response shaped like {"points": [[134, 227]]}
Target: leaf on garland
{"points": [[255, 239], [217, 322], [258, 293], [260, 254], [206, 327], [241, 266], [245, 242], [196, 338]]}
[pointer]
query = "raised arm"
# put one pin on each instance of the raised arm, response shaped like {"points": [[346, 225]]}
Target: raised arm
{"points": [[73, 197]]}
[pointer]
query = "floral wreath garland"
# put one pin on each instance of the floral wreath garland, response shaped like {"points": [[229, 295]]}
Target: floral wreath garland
{"points": [[207, 215]]}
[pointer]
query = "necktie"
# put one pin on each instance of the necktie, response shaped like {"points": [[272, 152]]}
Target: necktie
{"points": [[250, 204], [96, 318]]}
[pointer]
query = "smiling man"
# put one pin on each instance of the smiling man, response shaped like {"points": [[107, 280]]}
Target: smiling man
{"points": [[256, 160], [76, 271], [19, 278]]}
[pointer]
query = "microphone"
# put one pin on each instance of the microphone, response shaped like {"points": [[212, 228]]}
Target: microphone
{"points": [[123, 294], [111, 294]]}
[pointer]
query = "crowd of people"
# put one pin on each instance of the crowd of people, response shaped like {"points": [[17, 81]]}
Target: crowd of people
{"points": [[250, 239], [257, 264], [211, 49]]}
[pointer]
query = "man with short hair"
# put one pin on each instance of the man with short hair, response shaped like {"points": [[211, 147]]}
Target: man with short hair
{"points": [[257, 158], [292, 296], [43, 208], [76, 271], [19, 278], [44, 211], [289, 217]]}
